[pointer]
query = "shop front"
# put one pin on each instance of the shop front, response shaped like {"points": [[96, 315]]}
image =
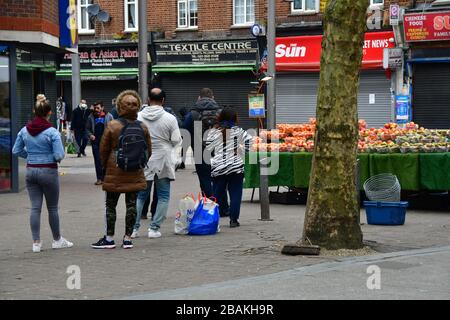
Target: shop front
{"points": [[5, 120], [226, 66], [428, 35], [105, 71], [298, 66]]}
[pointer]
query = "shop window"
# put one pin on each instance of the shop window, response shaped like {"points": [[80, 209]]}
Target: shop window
{"points": [[244, 12], [85, 25], [5, 122], [187, 14], [131, 15], [305, 6]]}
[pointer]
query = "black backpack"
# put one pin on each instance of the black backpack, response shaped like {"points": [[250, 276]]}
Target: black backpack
{"points": [[208, 117], [132, 150]]}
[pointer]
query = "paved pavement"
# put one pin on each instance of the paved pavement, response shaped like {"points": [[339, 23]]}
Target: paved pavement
{"points": [[421, 274], [172, 262]]}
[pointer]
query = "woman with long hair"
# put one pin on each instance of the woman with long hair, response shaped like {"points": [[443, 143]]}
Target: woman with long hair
{"points": [[227, 144], [41, 145]]}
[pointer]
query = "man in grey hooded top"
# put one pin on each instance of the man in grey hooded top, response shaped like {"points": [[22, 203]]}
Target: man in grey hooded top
{"points": [[165, 135]]}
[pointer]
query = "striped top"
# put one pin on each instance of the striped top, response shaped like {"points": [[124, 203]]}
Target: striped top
{"points": [[227, 158]]}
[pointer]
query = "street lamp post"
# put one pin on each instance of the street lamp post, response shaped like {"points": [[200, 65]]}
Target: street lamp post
{"points": [[264, 163], [142, 47]]}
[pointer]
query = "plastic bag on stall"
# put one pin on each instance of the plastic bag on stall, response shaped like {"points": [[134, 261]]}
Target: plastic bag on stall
{"points": [[183, 217], [206, 218]]}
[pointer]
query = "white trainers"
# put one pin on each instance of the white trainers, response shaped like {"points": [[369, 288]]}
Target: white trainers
{"points": [[135, 234], [61, 243], [37, 246], [154, 233]]}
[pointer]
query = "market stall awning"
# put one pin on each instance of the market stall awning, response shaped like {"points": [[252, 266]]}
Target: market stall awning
{"points": [[178, 68], [303, 53], [100, 74]]}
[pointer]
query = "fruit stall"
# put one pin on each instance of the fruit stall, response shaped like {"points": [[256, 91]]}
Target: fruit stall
{"points": [[419, 157]]}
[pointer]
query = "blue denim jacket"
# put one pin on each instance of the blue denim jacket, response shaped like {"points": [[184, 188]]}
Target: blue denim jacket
{"points": [[44, 148]]}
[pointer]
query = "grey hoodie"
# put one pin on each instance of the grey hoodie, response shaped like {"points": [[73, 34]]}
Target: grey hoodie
{"points": [[166, 137]]}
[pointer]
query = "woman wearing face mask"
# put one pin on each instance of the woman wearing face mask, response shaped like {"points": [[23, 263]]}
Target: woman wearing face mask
{"points": [[41, 145]]}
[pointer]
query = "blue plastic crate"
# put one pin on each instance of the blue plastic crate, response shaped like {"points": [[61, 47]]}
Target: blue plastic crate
{"points": [[386, 213]]}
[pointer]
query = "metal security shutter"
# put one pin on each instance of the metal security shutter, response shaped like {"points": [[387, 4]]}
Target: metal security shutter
{"points": [[297, 97], [230, 89], [379, 113], [93, 91], [431, 102], [24, 97], [50, 92]]}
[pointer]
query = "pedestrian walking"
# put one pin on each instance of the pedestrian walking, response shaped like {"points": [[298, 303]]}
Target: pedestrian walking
{"points": [[227, 144], [185, 144], [123, 165], [204, 113], [40, 144], [78, 126], [96, 124], [114, 112], [160, 170]]}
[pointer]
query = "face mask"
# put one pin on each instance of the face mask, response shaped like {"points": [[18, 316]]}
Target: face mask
{"points": [[84, 106]]}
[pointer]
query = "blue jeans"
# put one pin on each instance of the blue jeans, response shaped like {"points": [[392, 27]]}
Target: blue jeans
{"points": [[234, 182], [43, 182], [163, 193]]}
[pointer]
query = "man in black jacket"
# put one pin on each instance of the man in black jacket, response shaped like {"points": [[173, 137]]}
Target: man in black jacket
{"points": [[205, 111], [78, 126]]}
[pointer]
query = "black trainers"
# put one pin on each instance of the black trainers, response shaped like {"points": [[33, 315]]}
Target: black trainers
{"points": [[234, 224], [103, 244], [127, 244]]}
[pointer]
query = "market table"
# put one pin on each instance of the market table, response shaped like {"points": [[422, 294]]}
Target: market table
{"points": [[415, 171]]}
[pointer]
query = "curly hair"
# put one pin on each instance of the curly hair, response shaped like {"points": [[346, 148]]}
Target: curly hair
{"points": [[125, 93]]}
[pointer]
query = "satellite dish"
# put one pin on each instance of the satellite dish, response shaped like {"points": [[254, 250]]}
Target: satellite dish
{"points": [[103, 16], [93, 9]]}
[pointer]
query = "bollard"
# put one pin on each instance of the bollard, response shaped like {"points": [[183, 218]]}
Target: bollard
{"points": [[264, 190]]}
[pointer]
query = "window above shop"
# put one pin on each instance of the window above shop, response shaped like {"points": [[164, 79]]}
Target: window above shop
{"points": [[85, 25], [305, 6], [376, 3], [131, 15], [187, 14], [243, 12]]}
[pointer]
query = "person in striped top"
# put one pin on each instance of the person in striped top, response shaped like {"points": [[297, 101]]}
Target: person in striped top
{"points": [[227, 144]]}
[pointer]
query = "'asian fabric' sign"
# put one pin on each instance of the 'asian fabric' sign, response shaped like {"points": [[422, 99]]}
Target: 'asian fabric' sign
{"points": [[104, 58], [303, 53], [68, 32], [427, 26]]}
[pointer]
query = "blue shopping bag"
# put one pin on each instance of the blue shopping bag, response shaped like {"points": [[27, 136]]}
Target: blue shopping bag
{"points": [[206, 218]]}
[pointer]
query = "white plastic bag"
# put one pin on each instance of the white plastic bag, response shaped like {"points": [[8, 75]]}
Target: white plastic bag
{"points": [[183, 217]]}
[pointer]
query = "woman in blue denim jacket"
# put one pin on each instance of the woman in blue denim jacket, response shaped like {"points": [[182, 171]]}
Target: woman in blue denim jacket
{"points": [[41, 145]]}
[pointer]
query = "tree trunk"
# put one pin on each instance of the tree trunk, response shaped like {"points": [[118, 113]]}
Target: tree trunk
{"points": [[332, 213]]}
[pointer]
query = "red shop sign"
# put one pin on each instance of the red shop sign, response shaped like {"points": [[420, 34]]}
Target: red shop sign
{"points": [[427, 26], [303, 53]]}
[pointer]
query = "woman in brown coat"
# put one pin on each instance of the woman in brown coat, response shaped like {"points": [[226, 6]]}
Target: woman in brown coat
{"points": [[116, 180]]}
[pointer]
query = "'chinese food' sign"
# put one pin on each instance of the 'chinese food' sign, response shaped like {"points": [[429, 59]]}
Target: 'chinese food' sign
{"points": [[427, 26]]}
